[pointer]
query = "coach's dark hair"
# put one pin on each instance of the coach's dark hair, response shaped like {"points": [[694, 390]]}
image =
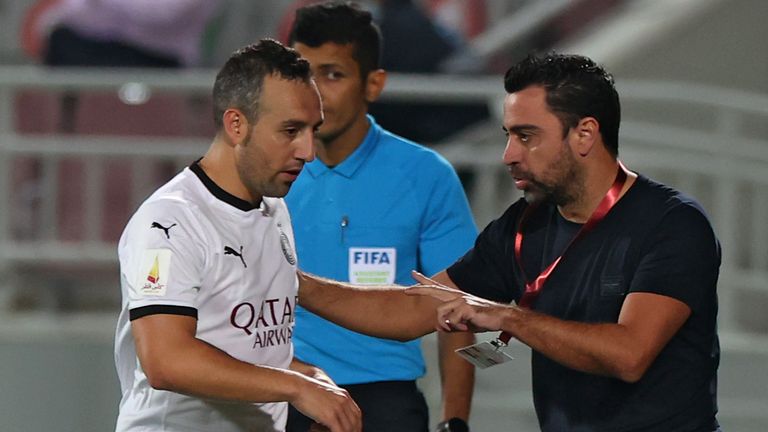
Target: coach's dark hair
{"points": [[341, 23], [238, 83], [576, 88]]}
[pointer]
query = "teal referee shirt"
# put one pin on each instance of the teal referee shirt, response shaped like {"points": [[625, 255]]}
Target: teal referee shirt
{"points": [[391, 207]]}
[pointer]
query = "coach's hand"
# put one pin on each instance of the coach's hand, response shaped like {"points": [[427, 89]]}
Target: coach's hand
{"points": [[460, 311], [328, 405], [317, 427]]}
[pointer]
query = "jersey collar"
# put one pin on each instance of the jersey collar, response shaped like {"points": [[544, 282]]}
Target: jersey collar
{"points": [[349, 166], [218, 192]]}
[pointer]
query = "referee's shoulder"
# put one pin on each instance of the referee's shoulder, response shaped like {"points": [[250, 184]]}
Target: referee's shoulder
{"points": [[408, 151]]}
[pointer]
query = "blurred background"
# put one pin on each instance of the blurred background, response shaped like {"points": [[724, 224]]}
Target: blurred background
{"points": [[94, 116]]}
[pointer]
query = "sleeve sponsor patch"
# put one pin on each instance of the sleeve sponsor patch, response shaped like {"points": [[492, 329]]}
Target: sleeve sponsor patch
{"points": [[154, 267]]}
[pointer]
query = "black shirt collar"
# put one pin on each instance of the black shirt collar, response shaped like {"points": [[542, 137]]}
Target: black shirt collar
{"points": [[218, 192]]}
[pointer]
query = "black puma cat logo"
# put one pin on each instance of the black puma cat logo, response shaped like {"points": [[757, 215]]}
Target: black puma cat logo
{"points": [[165, 230], [229, 251]]}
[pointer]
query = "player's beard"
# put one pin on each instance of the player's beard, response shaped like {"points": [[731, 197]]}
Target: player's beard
{"points": [[253, 169]]}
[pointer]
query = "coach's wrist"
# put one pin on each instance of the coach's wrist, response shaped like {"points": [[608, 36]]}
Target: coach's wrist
{"points": [[454, 424], [513, 318]]}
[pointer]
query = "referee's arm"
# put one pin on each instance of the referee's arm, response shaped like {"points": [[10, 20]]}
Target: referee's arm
{"points": [[457, 376]]}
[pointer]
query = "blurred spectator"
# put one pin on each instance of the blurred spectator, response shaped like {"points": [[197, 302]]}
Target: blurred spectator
{"points": [[115, 33], [241, 22], [138, 33], [108, 33], [467, 17], [415, 43]]}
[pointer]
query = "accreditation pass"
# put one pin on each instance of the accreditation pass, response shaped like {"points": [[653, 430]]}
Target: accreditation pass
{"points": [[485, 354]]}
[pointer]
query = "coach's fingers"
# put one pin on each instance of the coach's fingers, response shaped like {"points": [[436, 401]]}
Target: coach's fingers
{"points": [[439, 293], [455, 314], [430, 287], [423, 279]]}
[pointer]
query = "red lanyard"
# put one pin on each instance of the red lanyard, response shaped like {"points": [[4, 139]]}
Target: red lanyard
{"points": [[533, 289]]}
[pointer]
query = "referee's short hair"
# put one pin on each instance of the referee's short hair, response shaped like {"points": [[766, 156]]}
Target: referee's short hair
{"points": [[238, 83], [342, 23]]}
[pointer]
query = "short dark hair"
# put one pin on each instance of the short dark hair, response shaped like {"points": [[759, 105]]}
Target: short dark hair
{"points": [[341, 23], [238, 83], [576, 87]]}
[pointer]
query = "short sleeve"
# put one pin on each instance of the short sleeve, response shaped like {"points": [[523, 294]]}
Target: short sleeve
{"points": [[487, 270], [162, 259], [448, 228], [681, 259]]}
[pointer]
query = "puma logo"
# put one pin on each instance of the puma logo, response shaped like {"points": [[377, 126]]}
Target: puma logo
{"points": [[165, 230], [229, 251]]}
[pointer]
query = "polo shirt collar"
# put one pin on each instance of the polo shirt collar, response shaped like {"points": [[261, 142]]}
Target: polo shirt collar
{"points": [[349, 166]]}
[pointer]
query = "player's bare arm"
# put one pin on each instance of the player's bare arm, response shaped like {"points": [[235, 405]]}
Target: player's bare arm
{"points": [[385, 311], [622, 350], [175, 360]]}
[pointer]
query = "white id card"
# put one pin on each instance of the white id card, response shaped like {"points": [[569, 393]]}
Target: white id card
{"points": [[485, 354]]}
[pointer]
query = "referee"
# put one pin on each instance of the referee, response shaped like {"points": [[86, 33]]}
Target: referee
{"points": [[372, 207]]}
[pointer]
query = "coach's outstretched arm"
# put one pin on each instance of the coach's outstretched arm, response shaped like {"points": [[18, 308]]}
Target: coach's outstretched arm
{"points": [[623, 350], [384, 311]]}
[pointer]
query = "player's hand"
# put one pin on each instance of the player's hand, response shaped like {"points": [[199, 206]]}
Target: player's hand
{"points": [[321, 376], [460, 311], [328, 405], [311, 371]]}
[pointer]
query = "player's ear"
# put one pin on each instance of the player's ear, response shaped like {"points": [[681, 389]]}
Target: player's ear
{"points": [[374, 84], [235, 126]]}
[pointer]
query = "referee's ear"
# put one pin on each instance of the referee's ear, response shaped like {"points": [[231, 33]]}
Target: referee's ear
{"points": [[374, 84], [235, 126]]}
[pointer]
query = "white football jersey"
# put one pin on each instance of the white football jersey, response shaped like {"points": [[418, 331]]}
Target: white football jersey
{"points": [[194, 249]]}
